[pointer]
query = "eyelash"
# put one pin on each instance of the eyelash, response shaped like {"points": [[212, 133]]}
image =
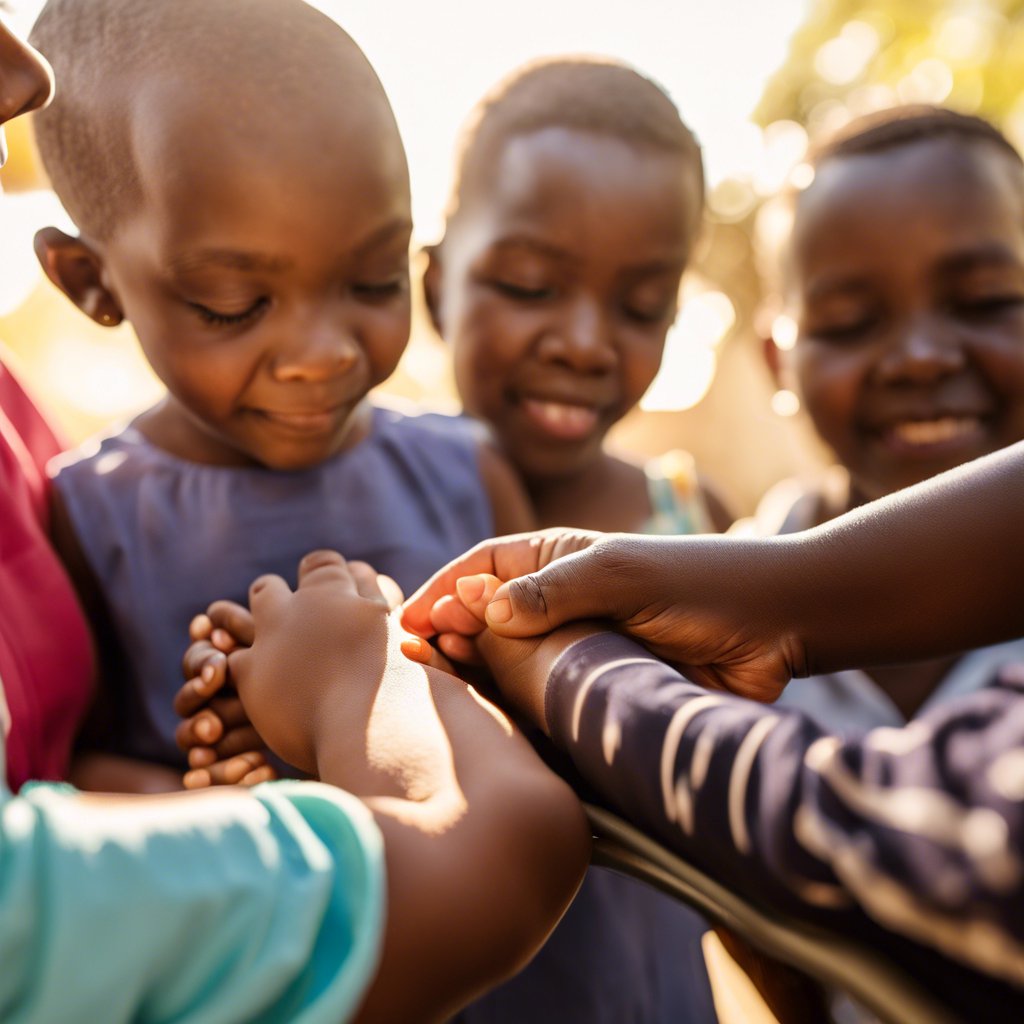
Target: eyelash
{"points": [[211, 316]]}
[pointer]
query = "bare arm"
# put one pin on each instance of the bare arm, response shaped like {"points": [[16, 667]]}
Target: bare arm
{"points": [[936, 568], [484, 846]]}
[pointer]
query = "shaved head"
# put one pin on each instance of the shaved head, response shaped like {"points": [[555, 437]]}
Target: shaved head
{"points": [[598, 96], [140, 79]]}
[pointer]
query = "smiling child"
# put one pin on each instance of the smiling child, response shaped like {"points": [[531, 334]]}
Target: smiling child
{"points": [[242, 198]]}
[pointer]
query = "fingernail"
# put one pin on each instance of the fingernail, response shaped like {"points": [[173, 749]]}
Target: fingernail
{"points": [[207, 674], [204, 730], [470, 588], [413, 648], [499, 611]]}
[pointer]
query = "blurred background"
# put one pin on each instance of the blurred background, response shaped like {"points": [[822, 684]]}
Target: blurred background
{"points": [[754, 80]]}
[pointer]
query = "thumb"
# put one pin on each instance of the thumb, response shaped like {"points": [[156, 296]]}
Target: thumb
{"points": [[560, 592]]}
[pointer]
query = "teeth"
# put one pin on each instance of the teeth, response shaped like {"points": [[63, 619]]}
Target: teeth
{"points": [[923, 432], [566, 415]]}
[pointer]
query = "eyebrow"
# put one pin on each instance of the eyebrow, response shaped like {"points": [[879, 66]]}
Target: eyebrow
{"points": [[994, 254], [534, 245]]}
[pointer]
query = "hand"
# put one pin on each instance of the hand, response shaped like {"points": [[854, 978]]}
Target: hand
{"points": [[689, 600], [325, 643], [222, 746], [435, 610]]}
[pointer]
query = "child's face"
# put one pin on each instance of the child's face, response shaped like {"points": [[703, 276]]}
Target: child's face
{"points": [[908, 291], [266, 275], [556, 286]]}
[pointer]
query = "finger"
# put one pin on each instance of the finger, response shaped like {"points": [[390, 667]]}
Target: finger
{"points": [[230, 772], [201, 757], [230, 710], [265, 774], [207, 672], [238, 741], [459, 648], [475, 593], [567, 589], [200, 628], [202, 730], [450, 615], [482, 558], [419, 650], [320, 568], [505, 557], [233, 618], [365, 579], [268, 597], [198, 779]]}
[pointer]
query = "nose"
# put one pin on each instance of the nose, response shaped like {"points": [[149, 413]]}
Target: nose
{"points": [[26, 80], [583, 339], [317, 352], [927, 348]]}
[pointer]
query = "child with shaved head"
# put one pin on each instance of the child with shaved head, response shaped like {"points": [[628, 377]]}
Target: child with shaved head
{"points": [[242, 198]]}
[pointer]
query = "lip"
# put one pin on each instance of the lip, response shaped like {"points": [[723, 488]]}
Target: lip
{"points": [[563, 421], [936, 434], [303, 421]]}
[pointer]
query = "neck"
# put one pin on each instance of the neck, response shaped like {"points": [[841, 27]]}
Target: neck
{"points": [[608, 494]]}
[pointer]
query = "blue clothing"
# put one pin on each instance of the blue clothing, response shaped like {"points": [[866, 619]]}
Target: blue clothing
{"points": [[911, 838], [266, 908], [164, 537]]}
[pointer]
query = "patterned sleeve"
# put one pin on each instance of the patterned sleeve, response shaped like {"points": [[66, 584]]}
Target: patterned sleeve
{"points": [[919, 828]]}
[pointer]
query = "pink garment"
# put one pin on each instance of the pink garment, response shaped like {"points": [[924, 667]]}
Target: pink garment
{"points": [[46, 660]]}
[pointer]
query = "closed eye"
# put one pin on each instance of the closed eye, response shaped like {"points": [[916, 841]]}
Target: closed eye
{"points": [[222, 319]]}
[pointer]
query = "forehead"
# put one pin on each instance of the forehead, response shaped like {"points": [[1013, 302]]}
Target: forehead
{"points": [[920, 198], [264, 155], [568, 181]]}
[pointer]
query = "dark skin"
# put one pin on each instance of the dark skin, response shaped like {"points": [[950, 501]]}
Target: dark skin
{"points": [[269, 312], [906, 283], [933, 569], [458, 793], [555, 286]]}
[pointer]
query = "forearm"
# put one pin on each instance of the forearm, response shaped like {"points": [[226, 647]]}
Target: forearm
{"points": [[930, 570], [763, 801], [484, 846]]}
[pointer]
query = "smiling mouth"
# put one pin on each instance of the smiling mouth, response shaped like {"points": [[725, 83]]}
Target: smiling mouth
{"points": [[924, 434], [314, 421], [560, 419]]}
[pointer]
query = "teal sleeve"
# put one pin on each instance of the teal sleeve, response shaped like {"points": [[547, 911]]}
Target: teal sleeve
{"points": [[231, 907]]}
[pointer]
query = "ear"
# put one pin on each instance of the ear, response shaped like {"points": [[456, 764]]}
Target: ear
{"points": [[76, 268], [432, 286]]}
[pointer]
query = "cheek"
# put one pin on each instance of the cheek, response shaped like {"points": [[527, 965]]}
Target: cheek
{"points": [[640, 364], [829, 384], [386, 336]]}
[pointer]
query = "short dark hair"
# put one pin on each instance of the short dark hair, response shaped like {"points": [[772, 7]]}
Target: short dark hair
{"points": [[587, 94], [906, 125], [101, 50]]}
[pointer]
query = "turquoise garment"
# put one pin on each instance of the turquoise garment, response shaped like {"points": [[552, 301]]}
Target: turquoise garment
{"points": [[227, 908]]}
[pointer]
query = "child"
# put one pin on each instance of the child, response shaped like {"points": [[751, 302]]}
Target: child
{"points": [[576, 205], [242, 196], [905, 278], [297, 901]]}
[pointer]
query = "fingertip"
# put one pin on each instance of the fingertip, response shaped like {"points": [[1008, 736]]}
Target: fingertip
{"points": [[200, 627], [197, 779], [499, 611], [469, 588], [416, 649]]}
